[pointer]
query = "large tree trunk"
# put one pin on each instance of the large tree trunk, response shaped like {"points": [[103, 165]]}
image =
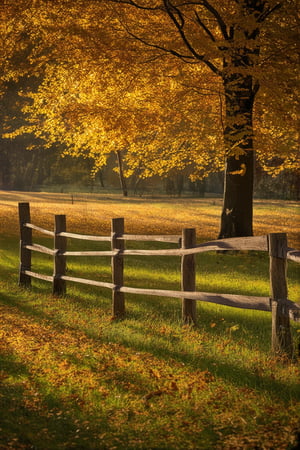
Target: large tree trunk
{"points": [[237, 213]]}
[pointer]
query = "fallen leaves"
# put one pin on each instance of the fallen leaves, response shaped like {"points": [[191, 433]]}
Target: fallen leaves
{"points": [[82, 379], [150, 216]]}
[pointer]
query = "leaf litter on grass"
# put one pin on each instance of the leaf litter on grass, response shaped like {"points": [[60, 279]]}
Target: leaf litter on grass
{"points": [[72, 379]]}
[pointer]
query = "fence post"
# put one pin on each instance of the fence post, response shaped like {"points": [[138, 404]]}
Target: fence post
{"points": [[281, 333], [188, 275], [60, 245], [117, 267], [25, 239]]}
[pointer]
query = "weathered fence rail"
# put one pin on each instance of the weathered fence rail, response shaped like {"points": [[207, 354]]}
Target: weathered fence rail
{"points": [[275, 244]]}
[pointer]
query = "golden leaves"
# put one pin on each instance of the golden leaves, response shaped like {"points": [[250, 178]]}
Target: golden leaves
{"points": [[103, 91]]}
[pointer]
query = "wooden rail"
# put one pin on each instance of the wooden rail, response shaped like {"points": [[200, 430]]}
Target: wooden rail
{"points": [[275, 244]]}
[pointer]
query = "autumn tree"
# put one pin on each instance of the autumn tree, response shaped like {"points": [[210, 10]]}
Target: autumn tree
{"points": [[231, 39], [97, 105], [163, 81]]}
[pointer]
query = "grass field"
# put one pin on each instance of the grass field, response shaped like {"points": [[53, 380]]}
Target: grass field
{"points": [[72, 377]]}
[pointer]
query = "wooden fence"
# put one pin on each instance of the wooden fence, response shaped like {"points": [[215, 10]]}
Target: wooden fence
{"points": [[275, 244]]}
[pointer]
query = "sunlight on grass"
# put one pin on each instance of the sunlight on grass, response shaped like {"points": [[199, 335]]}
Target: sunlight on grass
{"points": [[94, 212], [73, 377]]}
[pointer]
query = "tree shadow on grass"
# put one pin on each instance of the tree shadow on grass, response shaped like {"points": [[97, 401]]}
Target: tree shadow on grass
{"points": [[203, 359], [165, 348], [29, 419]]}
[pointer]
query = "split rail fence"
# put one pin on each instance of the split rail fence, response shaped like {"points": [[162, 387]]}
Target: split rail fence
{"points": [[275, 244]]}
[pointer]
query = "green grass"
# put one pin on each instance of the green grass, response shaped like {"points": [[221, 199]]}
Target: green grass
{"points": [[72, 377]]}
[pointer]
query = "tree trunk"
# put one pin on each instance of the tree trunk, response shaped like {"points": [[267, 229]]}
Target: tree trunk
{"points": [[237, 213], [121, 174], [101, 179]]}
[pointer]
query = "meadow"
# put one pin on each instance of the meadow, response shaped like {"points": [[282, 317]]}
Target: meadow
{"points": [[71, 376]]}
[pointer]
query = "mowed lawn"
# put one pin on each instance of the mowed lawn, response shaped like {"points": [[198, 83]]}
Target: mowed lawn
{"points": [[73, 377]]}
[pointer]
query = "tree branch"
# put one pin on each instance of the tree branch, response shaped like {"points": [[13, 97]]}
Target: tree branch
{"points": [[169, 9], [218, 18], [269, 11], [187, 58], [202, 24], [177, 18], [213, 11], [136, 5]]}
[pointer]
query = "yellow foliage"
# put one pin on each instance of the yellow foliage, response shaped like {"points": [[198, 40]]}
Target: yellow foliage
{"points": [[103, 90]]}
